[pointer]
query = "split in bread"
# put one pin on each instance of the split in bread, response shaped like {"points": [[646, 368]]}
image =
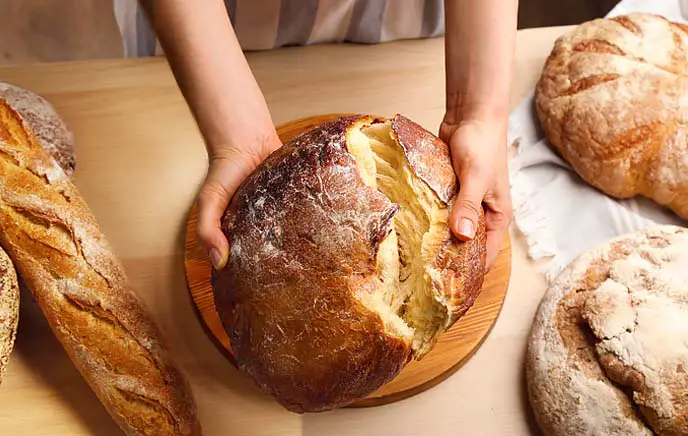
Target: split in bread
{"points": [[342, 265]]}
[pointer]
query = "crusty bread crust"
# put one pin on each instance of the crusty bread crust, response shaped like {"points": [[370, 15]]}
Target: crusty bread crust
{"points": [[612, 101], [608, 350], [304, 232], [40, 116], [9, 309], [460, 268], [56, 246]]}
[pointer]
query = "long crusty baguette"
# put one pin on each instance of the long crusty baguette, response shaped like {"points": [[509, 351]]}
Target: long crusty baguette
{"points": [[54, 241]]}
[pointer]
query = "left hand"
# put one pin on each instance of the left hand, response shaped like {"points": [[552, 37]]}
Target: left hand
{"points": [[478, 150]]}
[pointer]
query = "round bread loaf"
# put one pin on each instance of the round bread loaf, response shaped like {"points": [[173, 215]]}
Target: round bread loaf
{"points": [[342, 265], [9, 309], [42, 119], [612, 101], [608, 351]]}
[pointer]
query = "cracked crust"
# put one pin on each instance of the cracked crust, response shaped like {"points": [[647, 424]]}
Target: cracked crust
{"points": [[40, 116], [54, 243], [613, 101], [428, 156], [305, 231], [608, 350], [9, 309]]}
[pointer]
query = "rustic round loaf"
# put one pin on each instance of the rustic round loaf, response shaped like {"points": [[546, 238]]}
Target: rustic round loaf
{"points": [[608, 351], [612, 101], [342, 265], [42, 119], [9, 309]]}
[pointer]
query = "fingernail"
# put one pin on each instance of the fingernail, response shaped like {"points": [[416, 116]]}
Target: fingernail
{"points": [[466, 228], [215, 257]]}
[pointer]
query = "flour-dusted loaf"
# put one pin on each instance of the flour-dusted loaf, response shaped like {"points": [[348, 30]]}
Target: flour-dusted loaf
{"points": [[608, 351], [342, 265], [613, 101], [56, 246], [9, 309], [40, 116]]}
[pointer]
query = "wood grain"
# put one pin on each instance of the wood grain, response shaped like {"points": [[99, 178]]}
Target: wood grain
{"points": [[453, 349], [140, 160]]}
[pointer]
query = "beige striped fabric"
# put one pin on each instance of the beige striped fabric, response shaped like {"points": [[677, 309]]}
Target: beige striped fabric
{"points": [[268, 24]]}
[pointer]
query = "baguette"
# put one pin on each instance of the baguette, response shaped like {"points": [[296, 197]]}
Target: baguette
{"points": [[57, 248], [44, 122]]}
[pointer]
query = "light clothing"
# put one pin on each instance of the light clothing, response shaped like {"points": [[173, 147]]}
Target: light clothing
{"points": [[267, 24]]}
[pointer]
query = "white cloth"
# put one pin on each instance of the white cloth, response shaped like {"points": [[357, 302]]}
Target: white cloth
{"points": [[560, 215]]}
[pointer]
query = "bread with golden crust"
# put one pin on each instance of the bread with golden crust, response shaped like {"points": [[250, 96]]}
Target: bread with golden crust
{"points": [[9, 309], [342, 265], [608, 350], [612, 101], [56, 246], [41, 117]]}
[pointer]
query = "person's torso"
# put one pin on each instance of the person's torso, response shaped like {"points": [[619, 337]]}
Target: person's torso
{"points": [[267, 24]]}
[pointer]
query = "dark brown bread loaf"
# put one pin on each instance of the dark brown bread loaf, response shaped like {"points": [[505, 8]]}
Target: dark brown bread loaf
{"points": [[342, 265], [57, 248]]}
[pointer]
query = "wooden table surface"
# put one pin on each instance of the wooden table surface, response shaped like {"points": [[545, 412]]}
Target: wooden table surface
{"points": [[140, 160]]}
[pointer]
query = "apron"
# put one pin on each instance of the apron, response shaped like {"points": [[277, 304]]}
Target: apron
{"points": [[268, 24]]}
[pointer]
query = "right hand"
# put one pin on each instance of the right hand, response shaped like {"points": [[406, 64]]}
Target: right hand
{"points": [[228, 168]]}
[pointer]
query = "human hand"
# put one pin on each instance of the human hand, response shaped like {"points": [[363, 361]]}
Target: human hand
{"points": [[478, 150], [228, 168]]}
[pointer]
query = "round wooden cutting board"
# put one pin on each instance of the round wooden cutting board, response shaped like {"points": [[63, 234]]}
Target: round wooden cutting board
{"points": [[453, 349]]}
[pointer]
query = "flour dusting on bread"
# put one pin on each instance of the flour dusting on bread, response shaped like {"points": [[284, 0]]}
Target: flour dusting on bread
{"points": [[41, 117], [368, 273], [613, 329], [613, 99]]}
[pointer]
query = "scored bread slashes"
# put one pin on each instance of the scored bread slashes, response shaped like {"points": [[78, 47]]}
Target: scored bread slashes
{"points": [[612, 102], [41, 117], [342, 265], [57, 140], [608, 351], [55, 244]]}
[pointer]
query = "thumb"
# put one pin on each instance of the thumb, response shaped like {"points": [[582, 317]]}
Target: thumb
{"points": [[223, 179], [467, 207], [212, 201]]}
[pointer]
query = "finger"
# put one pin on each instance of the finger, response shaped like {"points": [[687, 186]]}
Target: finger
{"points": [[498, 218], [446, 131], [223, 179], [212, 201], [468, 205]]}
